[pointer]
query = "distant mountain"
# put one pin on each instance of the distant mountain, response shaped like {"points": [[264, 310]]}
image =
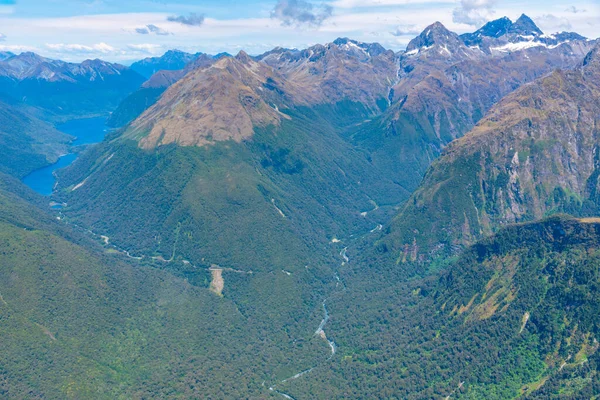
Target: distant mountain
{"points": [[444, 88], [437, 40], [503, 35], [345, 70], [5, 54], [66, 89], [172, 60], [326, 71], [534, 154]]}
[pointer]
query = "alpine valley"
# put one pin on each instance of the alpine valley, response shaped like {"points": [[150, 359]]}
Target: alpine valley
{"points": [[336, 222]]}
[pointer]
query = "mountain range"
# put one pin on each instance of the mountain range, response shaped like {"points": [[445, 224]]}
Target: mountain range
{"points": [[64, 90], [341, 221]]}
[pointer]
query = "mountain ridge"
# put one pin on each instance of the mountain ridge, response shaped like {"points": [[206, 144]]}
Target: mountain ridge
{"points": [[532, 154], [53, 85]]}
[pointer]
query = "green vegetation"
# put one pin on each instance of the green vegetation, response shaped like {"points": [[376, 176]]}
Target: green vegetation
{"points": [[77, 323], [26, 143], [133, 106], [291, 190], [261, 268], [422, 339]]}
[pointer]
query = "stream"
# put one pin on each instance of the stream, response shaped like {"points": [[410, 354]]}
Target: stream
{"points": [[321, 329]]}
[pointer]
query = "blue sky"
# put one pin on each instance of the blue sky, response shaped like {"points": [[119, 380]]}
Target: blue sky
{"points": [[126, 30]]}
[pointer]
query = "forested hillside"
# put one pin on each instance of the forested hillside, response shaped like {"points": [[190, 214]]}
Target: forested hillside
{"points": [[514, 316], [80, 322]]}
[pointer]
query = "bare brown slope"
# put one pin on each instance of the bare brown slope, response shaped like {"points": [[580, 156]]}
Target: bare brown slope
{"points": [[219, 102]]}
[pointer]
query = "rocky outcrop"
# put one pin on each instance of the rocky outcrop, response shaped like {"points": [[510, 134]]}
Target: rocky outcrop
{"points": [[343, 70], [534, 154]]}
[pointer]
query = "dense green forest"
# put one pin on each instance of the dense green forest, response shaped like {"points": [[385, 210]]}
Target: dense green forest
{"points": [[512, 313], [80, 322], [272, 200]]}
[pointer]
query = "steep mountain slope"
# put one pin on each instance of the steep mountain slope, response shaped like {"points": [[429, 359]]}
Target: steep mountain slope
{"points": [[345, 70], [67, 89], [80, 323], [172, 60], [534, 154], [230, 152], [5, 54], [142, 99], [26, 143], [515, 316], [445, 88], [223, 101]]}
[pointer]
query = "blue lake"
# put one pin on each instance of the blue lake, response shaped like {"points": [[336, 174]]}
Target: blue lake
{"points": [[87, 131]]}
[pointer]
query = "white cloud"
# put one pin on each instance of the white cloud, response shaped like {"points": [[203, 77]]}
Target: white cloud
{"points": [[191, 20], [552, 23], [81, 49], [149, 48], [300, 12], [256, 35], [384, 3], [575, 10], [474, 12], [152, 29], [406, 30], [15, 48]]}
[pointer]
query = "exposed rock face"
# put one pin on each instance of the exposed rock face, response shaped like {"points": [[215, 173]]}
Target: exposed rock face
{"points": [[342, 70], [445, 87], [504, 36], [535, 153], [454, 78], [226, 99], [222, 101]]}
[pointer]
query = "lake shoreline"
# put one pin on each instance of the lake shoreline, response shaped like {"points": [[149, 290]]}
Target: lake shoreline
{"points": [[87, 131]]}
